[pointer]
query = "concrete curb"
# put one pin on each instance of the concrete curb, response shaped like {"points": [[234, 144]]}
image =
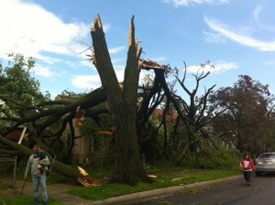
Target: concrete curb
{"points": [[159, 193]]}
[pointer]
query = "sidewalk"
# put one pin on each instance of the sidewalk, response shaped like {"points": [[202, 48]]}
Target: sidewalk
{"points": [[56, 191], [158, 193]]}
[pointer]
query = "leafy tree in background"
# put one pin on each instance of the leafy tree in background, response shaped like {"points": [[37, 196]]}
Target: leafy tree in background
{"points": [[18, 72], [18, 89], [17, 84], [247, 120]]}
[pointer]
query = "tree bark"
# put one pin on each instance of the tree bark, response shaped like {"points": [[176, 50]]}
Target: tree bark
{"points": [[58, 166], [94, 98], [122, 105]]}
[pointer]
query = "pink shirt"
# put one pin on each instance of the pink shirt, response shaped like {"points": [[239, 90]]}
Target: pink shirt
{"points": [[247, 165]]}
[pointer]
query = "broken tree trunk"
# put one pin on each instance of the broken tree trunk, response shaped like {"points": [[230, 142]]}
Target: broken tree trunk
{"points": [[122, 105], [59, 167]]}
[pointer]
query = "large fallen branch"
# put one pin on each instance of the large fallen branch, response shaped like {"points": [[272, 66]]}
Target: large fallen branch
{"points": [[59, 167], [94, 98]]}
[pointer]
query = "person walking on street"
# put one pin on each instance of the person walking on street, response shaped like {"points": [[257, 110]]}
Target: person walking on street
{"points": [[38, 177], [247, 165]]}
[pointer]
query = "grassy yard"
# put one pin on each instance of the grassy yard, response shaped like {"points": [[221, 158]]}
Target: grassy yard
{"points": [[183, 178], [20, 200], [168, 175], [3, 186]]}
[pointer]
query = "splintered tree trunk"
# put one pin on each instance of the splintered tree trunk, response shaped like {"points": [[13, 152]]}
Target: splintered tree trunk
{"points": [[122, 104], [128, 166]]}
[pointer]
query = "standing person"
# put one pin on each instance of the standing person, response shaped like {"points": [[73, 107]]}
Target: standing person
{"points": [[247, 165], [38, 178]]}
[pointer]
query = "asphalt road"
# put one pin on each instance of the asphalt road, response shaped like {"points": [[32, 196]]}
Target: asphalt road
{"points": [[236, 192]]}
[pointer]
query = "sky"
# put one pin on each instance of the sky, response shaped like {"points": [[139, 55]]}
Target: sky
{"points": [[237, 37]]}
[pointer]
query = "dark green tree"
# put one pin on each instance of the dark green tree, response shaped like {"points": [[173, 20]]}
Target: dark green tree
{"points": [[248, 116]]}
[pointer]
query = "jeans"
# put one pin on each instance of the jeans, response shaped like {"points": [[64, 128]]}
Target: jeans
{"points": [[247, 175], [36, 181]]}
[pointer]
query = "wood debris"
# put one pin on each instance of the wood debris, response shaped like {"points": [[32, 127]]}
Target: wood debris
{"points": [[176, 179], [107, 133], [79, 117], [85, 179], [149, 64]]}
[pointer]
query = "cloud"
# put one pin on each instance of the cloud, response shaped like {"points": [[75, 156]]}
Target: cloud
{"points": [[270, 62], [219, 67], [116, 60], [119, 70], [256, 14], [158, 59], [93, 81], [106, 27], [33, 30], [239, 38], [213, 37], [43, 71], [86, 81], [116, 49], [70, 63], [178, 3], [87, 63]]}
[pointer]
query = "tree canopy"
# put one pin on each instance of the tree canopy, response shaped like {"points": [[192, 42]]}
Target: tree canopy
{"points": [[249, 106]]}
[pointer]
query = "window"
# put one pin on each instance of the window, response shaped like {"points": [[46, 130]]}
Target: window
{"points": [[267, 155]]}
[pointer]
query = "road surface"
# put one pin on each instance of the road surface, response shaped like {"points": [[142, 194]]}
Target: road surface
{"points": [[236, 192]]}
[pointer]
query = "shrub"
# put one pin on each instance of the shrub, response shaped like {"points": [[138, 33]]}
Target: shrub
{"points": [[221, 159]]}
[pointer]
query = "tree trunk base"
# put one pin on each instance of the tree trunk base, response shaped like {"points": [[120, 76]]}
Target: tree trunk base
{"points": [[130, 179]]}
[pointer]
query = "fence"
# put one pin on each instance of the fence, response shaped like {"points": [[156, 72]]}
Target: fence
{"points": [[4, 162]]}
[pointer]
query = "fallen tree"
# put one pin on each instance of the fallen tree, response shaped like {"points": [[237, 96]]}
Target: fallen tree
{"points": [[58, 166], [128, 118]]}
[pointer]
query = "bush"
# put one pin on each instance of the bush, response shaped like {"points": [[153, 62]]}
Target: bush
{"points": [[218, 159]]}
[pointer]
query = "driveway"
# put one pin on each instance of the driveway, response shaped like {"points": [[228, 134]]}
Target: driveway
{"points": [[236, 192]]}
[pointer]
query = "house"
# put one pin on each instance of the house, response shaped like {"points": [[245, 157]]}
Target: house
{"points": [[19, 135], [82, 145], [170, 116]]}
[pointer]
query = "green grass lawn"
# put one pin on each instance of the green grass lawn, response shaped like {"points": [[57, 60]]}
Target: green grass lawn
{"points": [[20, 200], [173, 176], [4, 186], [111, 190], [54, 178], [159, 168], [97, 172]]}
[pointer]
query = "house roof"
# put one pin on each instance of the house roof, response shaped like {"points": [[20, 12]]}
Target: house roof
{"points": [[15, 135], [66, 97], [170, 116]]}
